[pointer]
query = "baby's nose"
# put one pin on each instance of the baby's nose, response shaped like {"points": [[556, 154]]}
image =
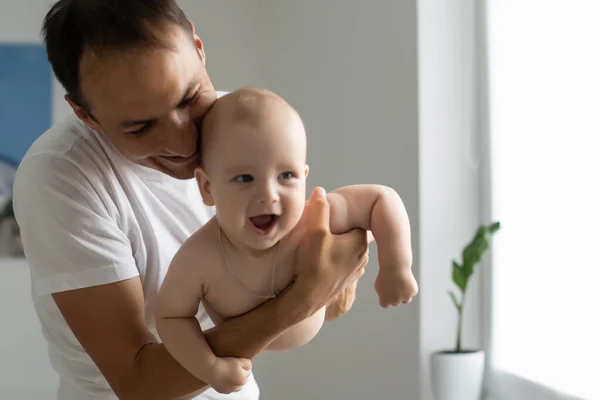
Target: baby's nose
{"points": [[269, 195]]}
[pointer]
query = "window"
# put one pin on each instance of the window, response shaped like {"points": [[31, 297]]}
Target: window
{"points": [[543, 74]]}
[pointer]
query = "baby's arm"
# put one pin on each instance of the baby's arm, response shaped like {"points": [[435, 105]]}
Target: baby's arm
{"points": [[379, 209], [177, 305]]}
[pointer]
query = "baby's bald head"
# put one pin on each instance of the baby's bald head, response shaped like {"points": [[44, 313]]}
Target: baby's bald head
{"points": [[254, 108]]}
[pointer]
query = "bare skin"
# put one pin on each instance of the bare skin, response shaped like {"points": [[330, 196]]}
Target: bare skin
{"points": [[171, 89], [255, 176]]}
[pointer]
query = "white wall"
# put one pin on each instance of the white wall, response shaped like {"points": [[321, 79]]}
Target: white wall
{"points": [[231, 33], [384, 93], [25, 371], [449, 173]]}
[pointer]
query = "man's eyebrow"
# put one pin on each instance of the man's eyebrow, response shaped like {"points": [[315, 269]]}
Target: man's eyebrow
{"points": [[186, 93], [130, 123]]}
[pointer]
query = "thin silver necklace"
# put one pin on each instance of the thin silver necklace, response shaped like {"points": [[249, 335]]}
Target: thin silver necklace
{"points": [[274, 292]]}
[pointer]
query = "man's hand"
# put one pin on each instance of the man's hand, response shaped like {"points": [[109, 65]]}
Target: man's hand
{"points": [[326, 264], [341, 303]]}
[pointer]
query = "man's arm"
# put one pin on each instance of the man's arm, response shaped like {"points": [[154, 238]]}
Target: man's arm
{"points": [[108, 320]]}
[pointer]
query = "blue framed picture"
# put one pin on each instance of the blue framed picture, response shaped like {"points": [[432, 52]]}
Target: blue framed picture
{"points": [[25, 97], [26, 82]]}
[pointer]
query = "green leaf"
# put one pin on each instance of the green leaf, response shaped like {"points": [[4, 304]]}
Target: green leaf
{"points": [[471, 250], [472, 254], [458, 276], [493, 228], [454, 300], [479, 244]]}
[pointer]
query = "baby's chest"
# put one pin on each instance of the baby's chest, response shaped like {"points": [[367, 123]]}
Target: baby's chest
{"points": [[236, 289]]}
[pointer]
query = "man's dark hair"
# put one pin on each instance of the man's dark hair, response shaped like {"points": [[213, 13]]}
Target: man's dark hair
{"points": [[99, 26]]}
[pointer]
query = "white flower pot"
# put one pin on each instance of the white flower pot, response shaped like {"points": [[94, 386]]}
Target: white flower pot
{"points": [[457, 376]]}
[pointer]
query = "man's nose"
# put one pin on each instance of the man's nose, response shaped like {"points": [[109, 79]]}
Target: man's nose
{"points": [[182, 135]]}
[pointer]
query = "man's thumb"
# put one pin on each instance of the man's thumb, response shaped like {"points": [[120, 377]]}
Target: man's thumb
{"points": [[319, 208]]}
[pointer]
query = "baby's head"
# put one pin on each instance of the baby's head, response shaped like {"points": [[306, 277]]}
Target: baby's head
{"points": [[254, 166]]}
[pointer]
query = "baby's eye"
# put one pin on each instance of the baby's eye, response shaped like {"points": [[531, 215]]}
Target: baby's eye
{"points": [[286, 175], [244, 178]]}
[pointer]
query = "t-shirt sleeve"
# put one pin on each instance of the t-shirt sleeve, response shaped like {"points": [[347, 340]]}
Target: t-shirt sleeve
{"points": [[71, 237]]}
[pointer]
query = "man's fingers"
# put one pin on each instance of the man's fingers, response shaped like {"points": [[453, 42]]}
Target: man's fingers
{"points": [[356, 276], [359, 239], [360, 272], [319, 209]]}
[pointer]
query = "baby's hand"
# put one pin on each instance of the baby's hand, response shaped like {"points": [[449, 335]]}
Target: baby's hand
{"points": [[395, 287], [230, 374]]}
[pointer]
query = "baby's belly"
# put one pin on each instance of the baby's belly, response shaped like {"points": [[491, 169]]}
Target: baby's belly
{"points": [[222, 311], [235, 303], [299, 334]]}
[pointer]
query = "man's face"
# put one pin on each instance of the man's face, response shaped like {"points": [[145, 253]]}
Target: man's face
{"points": [[150, 102]]}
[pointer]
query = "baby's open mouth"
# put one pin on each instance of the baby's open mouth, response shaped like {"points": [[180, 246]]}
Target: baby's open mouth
{"points": [[265, 222]]}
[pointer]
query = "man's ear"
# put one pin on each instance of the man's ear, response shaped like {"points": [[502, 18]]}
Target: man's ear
{"points": [[82, 114], [198, 42], [306, 170], [204, 186]]}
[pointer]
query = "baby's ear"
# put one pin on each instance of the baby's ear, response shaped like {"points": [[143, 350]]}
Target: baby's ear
{"points": [[204, 186], [306, 170]]}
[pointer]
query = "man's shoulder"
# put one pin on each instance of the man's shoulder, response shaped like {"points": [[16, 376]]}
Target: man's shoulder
{"points": [[68, 144], [59, 139], [66, 156]]}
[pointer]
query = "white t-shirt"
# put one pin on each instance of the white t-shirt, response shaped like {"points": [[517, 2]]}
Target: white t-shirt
{"points": [[89, 216]]}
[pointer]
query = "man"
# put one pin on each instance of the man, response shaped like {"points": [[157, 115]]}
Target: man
{"points": [[105, 198]]}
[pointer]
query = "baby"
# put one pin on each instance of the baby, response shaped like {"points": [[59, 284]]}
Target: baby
{"points": [[254, 173]]}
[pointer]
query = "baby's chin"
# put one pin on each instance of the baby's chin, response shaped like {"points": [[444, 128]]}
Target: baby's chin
{"points": [[252, 239], [256, 242], [265, 243]]}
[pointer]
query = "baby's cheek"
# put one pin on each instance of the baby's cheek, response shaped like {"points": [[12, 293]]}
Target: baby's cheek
{"points": [[297, 212], [231, 214]]}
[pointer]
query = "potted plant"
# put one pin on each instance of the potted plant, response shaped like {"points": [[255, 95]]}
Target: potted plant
{"points": [[457, 374]]}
